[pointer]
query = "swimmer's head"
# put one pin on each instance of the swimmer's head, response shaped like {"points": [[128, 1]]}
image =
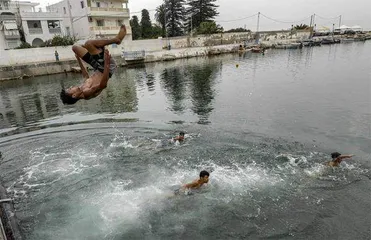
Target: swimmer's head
{"points": [[67, 97], [181, 134], [204, 176], [335, 155]]}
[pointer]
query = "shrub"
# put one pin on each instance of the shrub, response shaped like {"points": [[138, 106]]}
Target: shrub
{"points": [[24, 45]]}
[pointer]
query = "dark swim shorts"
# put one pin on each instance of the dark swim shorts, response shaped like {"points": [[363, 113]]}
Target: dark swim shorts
{"points": [[97, 62]]}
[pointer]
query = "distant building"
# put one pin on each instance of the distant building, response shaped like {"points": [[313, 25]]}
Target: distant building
{"points": [[86, 19], [9, 33], [40, 26], [37, 26]]}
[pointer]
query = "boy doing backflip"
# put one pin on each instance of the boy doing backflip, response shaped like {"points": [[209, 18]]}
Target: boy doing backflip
{"points": [[94, 54]]}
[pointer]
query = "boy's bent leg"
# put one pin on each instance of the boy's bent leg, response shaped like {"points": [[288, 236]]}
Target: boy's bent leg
{"points": [[79, 51], [95, 46]]}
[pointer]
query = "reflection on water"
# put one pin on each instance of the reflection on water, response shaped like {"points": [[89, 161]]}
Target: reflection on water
{"points": [[202, 91], [175, 82], [31, 100]]}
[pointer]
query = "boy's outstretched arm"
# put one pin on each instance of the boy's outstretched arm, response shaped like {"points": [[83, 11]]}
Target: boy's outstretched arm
{"points": [[85, 73], [342, 157], [107, 61]]}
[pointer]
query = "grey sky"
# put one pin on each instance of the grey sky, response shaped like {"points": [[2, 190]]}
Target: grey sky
{"points": [[354, 12]]}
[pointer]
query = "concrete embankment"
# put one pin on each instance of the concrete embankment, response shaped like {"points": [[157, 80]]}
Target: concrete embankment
{"points": [[53, 67], [9, 229]]}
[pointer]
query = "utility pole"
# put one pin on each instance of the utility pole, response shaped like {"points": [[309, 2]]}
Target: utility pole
{"points": [[70, 15], [191, 26], [167, 37], [257, 27]]}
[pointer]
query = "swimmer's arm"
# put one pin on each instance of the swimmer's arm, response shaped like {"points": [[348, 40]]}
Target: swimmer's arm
{"points": [[85, 73], [342, 157], [107, 61], [190, 185]]}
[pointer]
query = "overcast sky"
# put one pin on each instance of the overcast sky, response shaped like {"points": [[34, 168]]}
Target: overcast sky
{"points": [[354, 12]]}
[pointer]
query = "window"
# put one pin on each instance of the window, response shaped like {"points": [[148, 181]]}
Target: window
{"points": [[54, 24], [6, 5], [64, 10], [82, 4], [100, 23], [98, 4]]}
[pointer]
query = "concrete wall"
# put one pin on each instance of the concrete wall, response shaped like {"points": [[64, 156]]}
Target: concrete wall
{"points": [[25, 56], [52, 67]]}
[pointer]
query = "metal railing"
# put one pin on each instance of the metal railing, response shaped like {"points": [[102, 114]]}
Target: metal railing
{"points": [[101, 9], [7, 17], [104, 28], [12, 35], [35, 30], [55, 30]]}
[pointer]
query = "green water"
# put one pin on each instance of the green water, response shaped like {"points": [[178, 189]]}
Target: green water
{"points": [[103, 168]]}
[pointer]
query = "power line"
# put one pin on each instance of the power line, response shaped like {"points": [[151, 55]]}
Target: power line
{"points": [[327, 17], [239, 19], [280, 21]]}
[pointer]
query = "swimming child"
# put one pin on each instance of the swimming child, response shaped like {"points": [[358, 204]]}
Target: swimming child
{"points": [[196, 184], [337, 158]]}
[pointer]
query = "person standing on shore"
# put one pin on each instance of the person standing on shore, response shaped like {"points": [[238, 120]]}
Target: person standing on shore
{"points": [[56, 56], [93, 53]]}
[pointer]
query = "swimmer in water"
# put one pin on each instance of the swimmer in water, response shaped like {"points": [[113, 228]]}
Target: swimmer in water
{"points": [[196, 184], [337, 158], [94, 54], [179, 138]]}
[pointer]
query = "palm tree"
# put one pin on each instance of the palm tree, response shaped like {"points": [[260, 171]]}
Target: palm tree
{"points": [[301, 27], [160, 17]]}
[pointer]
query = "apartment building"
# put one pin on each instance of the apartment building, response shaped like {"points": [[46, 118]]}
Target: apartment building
{"points": [[9, 33], [88, 19], [41, 26], [37, 26]]}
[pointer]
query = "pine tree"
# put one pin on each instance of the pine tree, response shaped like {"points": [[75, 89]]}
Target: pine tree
{"points": [[146, 25], [174, 17], [201, 11], [135, 28]]}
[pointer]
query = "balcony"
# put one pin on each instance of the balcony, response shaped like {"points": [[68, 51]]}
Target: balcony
{"points": [[109, 12], [55, 31], [34, 31], [7, 18], [12, 35], [108, 30]]}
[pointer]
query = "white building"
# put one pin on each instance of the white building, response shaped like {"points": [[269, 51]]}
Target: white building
{"points": [[41, 26], [93, 18], [37, 26], [9, 34]]}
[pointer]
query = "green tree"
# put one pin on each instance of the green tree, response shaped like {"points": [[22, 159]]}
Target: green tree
{"points": [[238, 30], [160, 17], [209, 28], [201, 11], [146, 24], [174, 17], [135, 28], [156, 31]]}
